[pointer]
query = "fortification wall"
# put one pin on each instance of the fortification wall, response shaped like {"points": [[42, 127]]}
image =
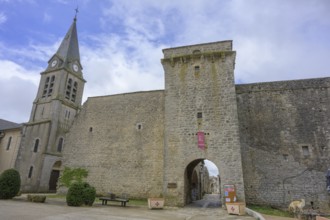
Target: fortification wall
{"points": [[285, 138], [119, 140]]}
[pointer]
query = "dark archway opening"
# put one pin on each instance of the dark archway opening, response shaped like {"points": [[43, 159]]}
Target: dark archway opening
{"points": [[202, 184], [54, 175]]}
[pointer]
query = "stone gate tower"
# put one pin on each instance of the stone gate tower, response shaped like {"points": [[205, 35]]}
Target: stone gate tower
{"points": [[57, 102], [200, 117]]}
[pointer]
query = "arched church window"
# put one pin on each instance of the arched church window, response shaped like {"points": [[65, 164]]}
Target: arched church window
{"points": [[9, 142], [36, 145], [60, 145], [30, 172]]}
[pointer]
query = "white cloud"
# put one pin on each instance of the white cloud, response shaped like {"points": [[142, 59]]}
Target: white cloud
{"points": [[3, 18], [65, 2], [18, 89], [120, 66], [47, 18], [274, 41], [11, 70]]}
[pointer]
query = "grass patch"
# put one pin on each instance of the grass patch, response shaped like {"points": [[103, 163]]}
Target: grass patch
{"points": [[134, 202], [138, 202], [267, 210], [56, 196]]}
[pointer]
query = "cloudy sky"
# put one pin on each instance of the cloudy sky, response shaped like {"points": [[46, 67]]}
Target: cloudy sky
{"points": [[121, 42]]}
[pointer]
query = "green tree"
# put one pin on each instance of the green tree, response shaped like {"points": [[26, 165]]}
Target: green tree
{"points": [[10, 183], [70, 176]]}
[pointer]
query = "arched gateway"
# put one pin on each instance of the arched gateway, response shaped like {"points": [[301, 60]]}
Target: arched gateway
{"points": [[200, 117]]}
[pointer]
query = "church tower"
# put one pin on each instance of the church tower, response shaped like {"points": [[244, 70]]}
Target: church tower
{"points": [[57, 102]]}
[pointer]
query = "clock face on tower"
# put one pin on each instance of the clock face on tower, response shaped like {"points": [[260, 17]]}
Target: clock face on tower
{"points": [[75, 67], [54, 63]]}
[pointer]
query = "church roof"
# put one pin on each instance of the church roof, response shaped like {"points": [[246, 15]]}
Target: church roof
{"points": [[69, 48], [5, 125]]}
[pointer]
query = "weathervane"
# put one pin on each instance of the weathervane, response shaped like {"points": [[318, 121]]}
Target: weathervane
{"points": [[75, 17]]}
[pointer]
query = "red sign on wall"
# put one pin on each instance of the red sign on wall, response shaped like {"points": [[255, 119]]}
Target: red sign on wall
{"points": [[201, 140]]}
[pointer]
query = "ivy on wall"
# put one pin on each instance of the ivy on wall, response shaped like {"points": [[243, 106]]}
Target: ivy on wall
{"points": [[70, 176]]}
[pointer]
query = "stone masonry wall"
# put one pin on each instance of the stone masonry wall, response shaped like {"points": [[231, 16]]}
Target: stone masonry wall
{"points": [[285, 137], [200, 96], [119, 140]]}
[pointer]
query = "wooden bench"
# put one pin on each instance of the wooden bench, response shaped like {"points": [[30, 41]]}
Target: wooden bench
{"points": [[123, 199]]}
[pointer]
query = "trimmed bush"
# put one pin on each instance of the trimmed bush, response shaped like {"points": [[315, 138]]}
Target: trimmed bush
{"points": [[10, 183], [80, 194], [89, 194], [74, 196], [36, 198]]}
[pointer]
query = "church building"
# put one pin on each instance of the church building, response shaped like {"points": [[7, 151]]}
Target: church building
{"points": [[270, 141]]}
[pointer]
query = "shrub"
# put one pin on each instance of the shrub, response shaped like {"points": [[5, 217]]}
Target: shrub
{"points": [[79, 194], [74, 196], [36, 198], [10, 183], [89, 194]]}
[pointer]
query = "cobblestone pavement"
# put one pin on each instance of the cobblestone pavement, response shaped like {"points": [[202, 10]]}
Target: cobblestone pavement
{"points": [[208, 201], [19, 208]]}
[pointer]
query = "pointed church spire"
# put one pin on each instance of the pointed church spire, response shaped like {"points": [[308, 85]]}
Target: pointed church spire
{"points": [[69, 48], [67, 56]]}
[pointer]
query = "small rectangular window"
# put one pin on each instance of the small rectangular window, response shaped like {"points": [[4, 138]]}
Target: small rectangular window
{"points": [[305, 150], [285, 157], [197, 69], [199, 115]]}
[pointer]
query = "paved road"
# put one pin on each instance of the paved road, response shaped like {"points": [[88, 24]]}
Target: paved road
{"points": [[20, 208], [208, 201]]}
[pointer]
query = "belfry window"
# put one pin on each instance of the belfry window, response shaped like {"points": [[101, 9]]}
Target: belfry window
{"points": [[50, 90], [74, 91], [71, 90], [44, 93], [68, 89], [48, 87]]}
